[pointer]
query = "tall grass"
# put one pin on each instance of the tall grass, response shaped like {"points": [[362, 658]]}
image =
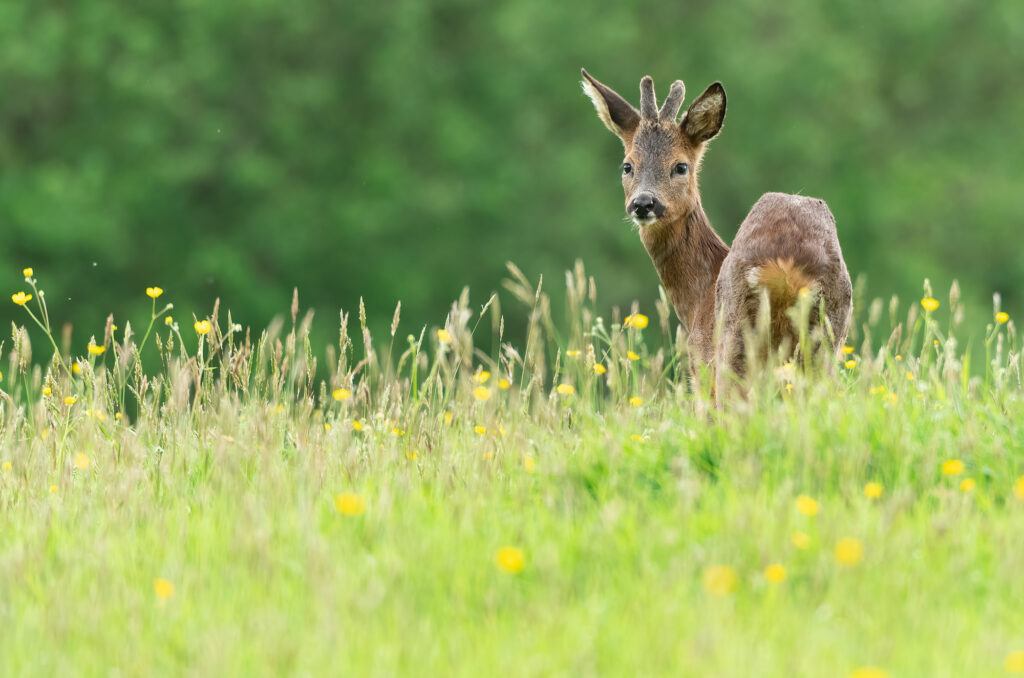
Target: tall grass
{"points": [[559, 503]]}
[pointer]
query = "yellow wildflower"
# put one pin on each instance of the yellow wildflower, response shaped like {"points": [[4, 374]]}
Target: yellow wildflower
{"points": [[952, 467], [847, 350], [327, 426], [96, 350], [118, 415], [899, 357], [153, 292], [868, 672], [1014, 662], [444, 336], [504, 384], [163, 588], [775, 573], [70, 400], [76, 367], [873, 490], [1002, 317], [637, 320], [1, 375], [850, 364], [202, 326], [637, 438], [599, 368], [929, 304], [27, 272], [968, 485], [81, 462], [487, 455], [481, 393], [573, 353], [801, 540], [357, 425], [412, 456], [632, 355], [510, 559], [7, 466], [168, 320], [721, 580], [340, 394], [480, 430], [849, 551], [636, 401], [529, 464], [348, 504], [910, 376], [566, 389], [398, 432], [21, 298], [1018, 488], [481, 377], [447, 417], [53, 489], [807, 506]]}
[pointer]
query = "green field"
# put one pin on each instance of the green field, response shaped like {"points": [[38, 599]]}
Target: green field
{"points": [[503, 508]]}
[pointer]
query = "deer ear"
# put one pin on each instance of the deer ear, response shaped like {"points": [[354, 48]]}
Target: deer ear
{"points": [[706, 114], [617, 114]]}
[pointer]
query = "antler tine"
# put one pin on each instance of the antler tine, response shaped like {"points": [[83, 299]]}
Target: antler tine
{"points": [[673, 102], [648, 105]]}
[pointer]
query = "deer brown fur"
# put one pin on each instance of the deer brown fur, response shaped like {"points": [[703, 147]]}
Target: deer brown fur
{"points": [[787, 245]]}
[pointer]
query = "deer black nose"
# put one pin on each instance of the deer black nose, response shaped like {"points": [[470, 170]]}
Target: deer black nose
{"points": [[642, 205]]}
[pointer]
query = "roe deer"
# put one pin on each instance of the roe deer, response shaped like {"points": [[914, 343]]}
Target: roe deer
{"points": [[787, 245]]}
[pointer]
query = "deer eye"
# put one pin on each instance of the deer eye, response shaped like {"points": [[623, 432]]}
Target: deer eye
{"points": [[681, 169], [626, 168]]}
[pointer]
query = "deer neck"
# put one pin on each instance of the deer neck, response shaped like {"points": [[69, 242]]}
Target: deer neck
{"points": [[688, 254]]}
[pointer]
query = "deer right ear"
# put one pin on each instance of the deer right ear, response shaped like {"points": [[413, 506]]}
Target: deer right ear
{"points": [[706, 114], [617, 114]]}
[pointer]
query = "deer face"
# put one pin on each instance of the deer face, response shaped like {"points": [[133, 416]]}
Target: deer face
{"points": [[659, 172]]}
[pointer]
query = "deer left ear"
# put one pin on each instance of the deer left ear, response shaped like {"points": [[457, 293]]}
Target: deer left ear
{"points": [[704, 118]]}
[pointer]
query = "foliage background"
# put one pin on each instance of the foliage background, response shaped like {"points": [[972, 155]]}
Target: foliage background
{"points": [[400, 150]]}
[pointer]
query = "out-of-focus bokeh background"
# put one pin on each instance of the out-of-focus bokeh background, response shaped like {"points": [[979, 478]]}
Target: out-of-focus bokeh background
{"points": [[401, 150]]}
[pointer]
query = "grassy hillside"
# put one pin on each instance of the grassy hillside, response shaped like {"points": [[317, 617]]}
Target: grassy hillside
{"points": [[554, 504]]}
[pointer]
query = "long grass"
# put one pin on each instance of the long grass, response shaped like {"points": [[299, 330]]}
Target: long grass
{"points": [[458, 502]]}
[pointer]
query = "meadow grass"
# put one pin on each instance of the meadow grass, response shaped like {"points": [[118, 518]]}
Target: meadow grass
{"points": [[455, 502]]}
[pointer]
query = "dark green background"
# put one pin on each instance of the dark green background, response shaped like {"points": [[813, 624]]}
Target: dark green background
{"points": [[400, 149]]}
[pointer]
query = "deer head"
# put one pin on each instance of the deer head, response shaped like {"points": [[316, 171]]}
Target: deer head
{"points": [[659, 172]]}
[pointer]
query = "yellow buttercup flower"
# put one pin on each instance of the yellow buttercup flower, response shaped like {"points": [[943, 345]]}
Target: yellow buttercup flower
{"points": [[53, 489], [153, 292], [566, 389], [807, 506], [1014, 662], [7, 466], [47, 391], [636, 401], [168, 320], [509, 559], [480, 430], [868, 672], [504, 384], [850, 364], [632, 355], [340, 394], [849, 551], [929, 304], [1018, 488], [81, 462], [952, 467], [775, 573], [163, 588], [637, 438], [447, 417], [96, 350], [357, 425], [873, 490], [573, 353], [481, 377], [847, 350], [27, 272], [599, 368], [968, 485], [76, 367], [529, 464], [1002, 317], [202, 326], [348, 504], [637, 320], [21, 298], [412, 456], [481, 393], [444, 336], [721, 580], [70, 400]]}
